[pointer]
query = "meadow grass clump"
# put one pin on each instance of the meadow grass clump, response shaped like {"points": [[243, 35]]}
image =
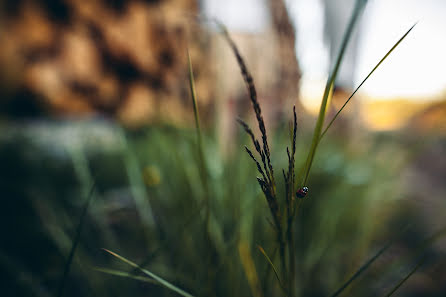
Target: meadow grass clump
{"points": [[205, 217], [283, 217]]}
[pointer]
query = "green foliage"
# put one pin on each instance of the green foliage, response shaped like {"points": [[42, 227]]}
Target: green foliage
{"points": [[169, 199], [334, 232]]}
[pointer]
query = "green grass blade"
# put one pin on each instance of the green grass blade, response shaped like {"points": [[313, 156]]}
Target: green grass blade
{"points": [[401, 282], [366, 78], [160, 280], [249, 268], [272, 266], [366, 265], [202, 159], [361, 269], [125, 274], [329, 88], [76, 239], [419, 250]]}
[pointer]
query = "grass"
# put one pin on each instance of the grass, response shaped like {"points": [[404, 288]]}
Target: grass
{"points": [[196, 223], [283, 216], [75, 242], [344, 211], [283, 211]]}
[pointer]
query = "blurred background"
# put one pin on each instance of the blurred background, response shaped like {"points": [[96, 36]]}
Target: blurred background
{"points": [[97, 92]]}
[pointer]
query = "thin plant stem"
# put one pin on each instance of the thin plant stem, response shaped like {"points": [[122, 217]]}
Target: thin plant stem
{"points": [[76, 240], [365, 79], [401, 282]]}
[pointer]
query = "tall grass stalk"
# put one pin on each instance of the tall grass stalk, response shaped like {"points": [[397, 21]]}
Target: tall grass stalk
{"points": [[267, 181], [204, 179], [283, 211], [283, 217], [364, 80], [201, 157], [359, 6]]}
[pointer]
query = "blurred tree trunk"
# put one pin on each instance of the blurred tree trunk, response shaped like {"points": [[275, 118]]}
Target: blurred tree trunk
{"points": [[287, 86]]}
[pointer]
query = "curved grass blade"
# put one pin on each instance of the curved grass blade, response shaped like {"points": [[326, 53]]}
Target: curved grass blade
{"points": [[193, 94], [401, 282], [329, 88], [365, 79], [419, 250], [76, 239], [366, 265], [273, 267], [249, 268], [160, 280], [125, 274], [361, 270]]}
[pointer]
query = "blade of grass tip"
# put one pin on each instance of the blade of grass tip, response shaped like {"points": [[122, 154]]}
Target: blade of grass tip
{"points": [[366, 78], [366, 265], [273, 267], [76, 239], [160, 280], [401, 282], [329, 87], [125, 274]]}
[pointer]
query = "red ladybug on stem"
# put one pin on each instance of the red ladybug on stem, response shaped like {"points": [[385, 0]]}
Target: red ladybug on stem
{"points": [[302, 192]]}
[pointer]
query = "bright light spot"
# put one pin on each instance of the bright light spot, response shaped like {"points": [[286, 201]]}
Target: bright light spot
{"points": [[312, 91], [243, 16], [416, 68]]}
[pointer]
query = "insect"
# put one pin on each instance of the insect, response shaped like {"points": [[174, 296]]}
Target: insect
{"points": [[302, 192]]}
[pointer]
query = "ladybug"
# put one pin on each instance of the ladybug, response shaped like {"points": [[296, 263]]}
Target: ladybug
{"points": [[302, 192]]}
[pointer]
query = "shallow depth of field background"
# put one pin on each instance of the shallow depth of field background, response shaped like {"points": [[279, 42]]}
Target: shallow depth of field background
{"points": [[97, 92]]}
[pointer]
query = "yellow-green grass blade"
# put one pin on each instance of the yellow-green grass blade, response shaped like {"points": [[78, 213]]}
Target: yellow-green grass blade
{"points": [[125, 274], [193, 94], [75, 243], [329, 88], [160, 280], [249, 268], [366, 78], [202, 159], [401, 282], [273, 267]]}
